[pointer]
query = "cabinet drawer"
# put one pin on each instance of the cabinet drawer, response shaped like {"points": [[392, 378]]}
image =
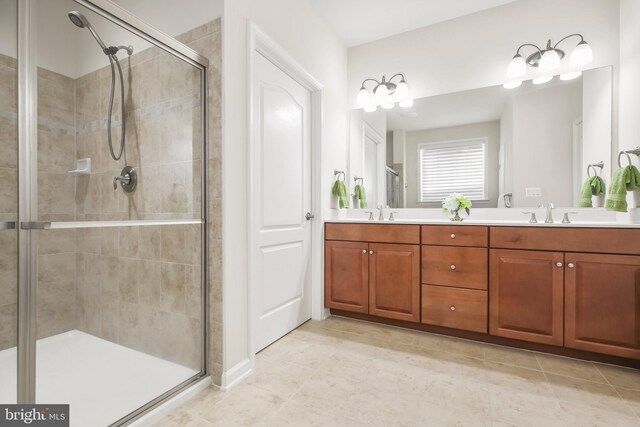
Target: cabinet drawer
{"points": [[451, 235], [454, 266], [454, 308], [599, 240], [378, 233]]}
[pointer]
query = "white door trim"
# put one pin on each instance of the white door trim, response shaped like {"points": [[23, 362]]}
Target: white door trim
{"points": [[368, 131], [259, 43]]}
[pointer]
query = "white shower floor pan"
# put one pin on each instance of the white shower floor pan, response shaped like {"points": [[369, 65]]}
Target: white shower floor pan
{"points": [[102, 381]]}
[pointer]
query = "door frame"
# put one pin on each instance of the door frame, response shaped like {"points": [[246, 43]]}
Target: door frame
{"points": [[368, 131], [260, 43]]}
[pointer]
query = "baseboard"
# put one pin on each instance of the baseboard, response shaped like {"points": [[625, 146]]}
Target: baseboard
{"points": [[156, 414], [236, 374]]}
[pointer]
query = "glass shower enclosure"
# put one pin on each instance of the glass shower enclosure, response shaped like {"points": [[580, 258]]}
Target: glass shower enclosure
{"points": [[102, 210]]}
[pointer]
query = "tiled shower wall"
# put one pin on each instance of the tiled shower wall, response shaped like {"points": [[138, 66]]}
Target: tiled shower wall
{"points": [[135, 286], [8, 201]]}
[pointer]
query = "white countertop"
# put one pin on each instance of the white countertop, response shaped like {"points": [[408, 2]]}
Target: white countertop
{"points": [[584, 218]]}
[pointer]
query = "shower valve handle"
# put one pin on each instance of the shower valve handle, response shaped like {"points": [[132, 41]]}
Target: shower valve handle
{"points": [[125, 179]]}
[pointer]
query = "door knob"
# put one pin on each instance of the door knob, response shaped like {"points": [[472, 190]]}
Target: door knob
{"points": [[453, 236], [370, 252], [309, 216], [452, 308], [364, 251], [453, 267], [571, 265], [558, 264]]}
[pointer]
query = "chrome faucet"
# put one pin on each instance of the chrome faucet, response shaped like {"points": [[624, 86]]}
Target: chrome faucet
{"points": [[550, 207], [381, 215]]}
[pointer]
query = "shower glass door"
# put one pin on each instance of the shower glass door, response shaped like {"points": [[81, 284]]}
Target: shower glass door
{"points": [[115, 219], [8, 200]]}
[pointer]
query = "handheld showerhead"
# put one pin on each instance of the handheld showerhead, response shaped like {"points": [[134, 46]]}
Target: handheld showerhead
{"points": [[80, 21]]}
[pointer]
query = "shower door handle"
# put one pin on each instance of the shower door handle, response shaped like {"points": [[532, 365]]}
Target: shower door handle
{"points": [[35, 225], [7, 225]]}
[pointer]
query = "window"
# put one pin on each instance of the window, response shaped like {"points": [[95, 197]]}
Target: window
{"points": [[452, 167]]}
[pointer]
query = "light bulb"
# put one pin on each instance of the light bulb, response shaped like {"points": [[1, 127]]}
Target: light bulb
{"points": [[542, 80], [363, 97], [513, 84], [402, 91], [571, 75], [381, 93], [406, 103], [581, 55], [549, 61], [517, 67], [388, 105], [370, 108]]}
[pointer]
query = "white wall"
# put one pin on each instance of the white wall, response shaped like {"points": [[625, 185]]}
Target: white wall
{"points": [[298, 29], [9, 28], [490, 130], [596, 122], [541, 152], [473, 51], [629, 111], [66, 49]]}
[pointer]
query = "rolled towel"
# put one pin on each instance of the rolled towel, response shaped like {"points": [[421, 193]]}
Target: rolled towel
{"points": [[593, 186], [625, 179], [360, 194], [340, 190]]}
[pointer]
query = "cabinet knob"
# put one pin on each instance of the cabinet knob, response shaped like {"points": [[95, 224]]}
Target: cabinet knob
{"points": [[370, 252], [453, 236], [452, 308], [364, 251], [453, 267], [571, 265], [558, 264]]}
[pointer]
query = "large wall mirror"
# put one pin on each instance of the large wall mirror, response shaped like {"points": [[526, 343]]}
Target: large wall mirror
{"points": [[500, 147]]}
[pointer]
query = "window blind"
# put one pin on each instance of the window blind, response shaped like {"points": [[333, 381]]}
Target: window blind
{"points": [[455, 167]]}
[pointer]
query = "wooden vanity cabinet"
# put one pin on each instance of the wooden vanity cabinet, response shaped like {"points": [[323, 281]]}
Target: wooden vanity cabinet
{"points": [[373, 269], [602, 304], [346, 275], [526, 295]]}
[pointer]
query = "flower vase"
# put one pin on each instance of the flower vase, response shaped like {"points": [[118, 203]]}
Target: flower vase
{"points": [[456, 216]]}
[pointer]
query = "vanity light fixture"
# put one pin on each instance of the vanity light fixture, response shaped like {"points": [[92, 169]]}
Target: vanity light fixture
{"points": [[548, 60], [385, 94]]}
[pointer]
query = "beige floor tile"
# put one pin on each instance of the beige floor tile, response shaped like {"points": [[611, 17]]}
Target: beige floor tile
{"points": [[511, 356], [619, 376], [590, 415], [246, 405], [343, 372], [588, 393], [632, 397], [284, 379], [569, 367]]}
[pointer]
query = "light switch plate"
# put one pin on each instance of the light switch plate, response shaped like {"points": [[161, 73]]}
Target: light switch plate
{"points": [[534, 192]]}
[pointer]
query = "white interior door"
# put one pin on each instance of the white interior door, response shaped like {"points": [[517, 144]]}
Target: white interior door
{"points": [[281, 171]]}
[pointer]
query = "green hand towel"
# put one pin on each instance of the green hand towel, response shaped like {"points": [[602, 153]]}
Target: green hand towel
{"points": [[593, 186], [360, 194], [340, 190], [625, 179]]}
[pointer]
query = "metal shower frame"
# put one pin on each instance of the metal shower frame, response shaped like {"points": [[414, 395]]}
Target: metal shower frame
{"points": [[27, 220]]}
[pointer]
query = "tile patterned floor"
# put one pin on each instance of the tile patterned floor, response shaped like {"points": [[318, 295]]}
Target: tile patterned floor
{"points": [[342, 372]]}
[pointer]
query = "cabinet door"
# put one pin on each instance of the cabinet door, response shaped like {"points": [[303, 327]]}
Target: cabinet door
{"points": [[602, 304], [526, 295], [394, 281], [346, 276]]}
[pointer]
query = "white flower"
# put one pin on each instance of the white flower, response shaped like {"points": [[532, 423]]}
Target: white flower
{"points": [[450, 203]]}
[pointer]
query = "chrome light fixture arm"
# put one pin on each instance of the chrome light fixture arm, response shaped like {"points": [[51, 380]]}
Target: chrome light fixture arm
{"points": [[567, 37]]}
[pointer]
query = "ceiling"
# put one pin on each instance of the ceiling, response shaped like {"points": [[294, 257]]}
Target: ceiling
{"points": [[362, 21]]}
